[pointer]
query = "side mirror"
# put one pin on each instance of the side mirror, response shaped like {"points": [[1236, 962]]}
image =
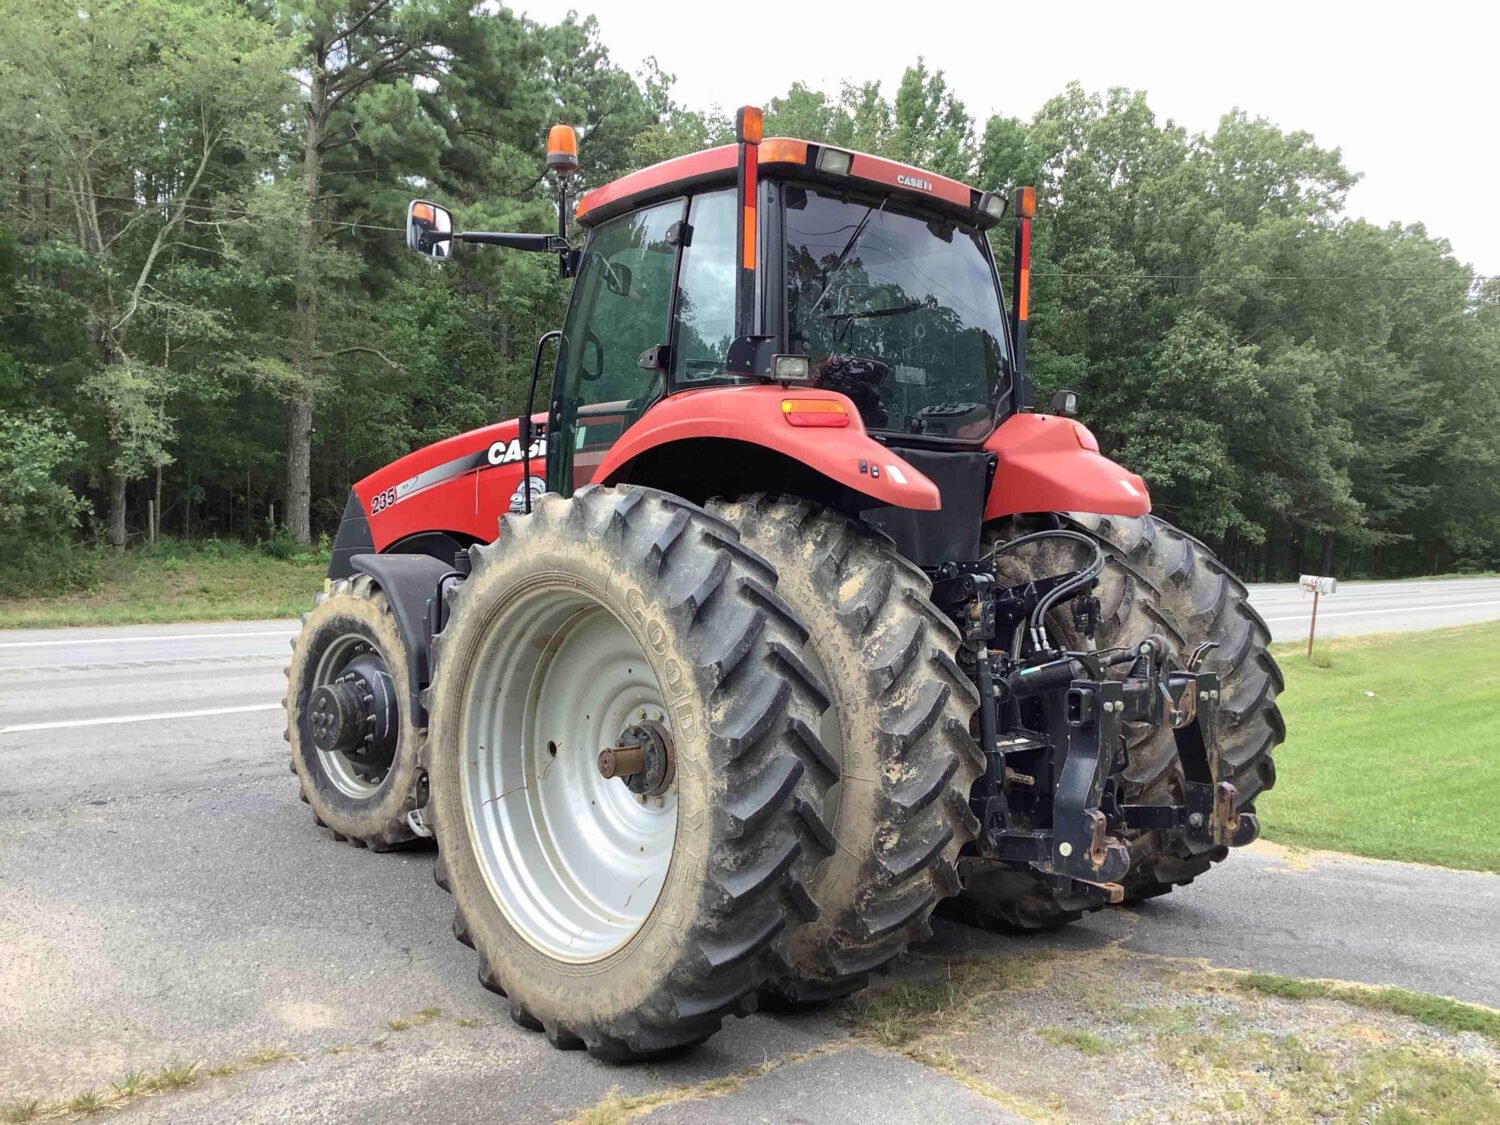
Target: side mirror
{"points": [[429, 229]]}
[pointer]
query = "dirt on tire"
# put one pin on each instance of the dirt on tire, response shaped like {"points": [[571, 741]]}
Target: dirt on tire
{"points": [[1158, 579], [750, 772], [378, 820], [900, 720]]}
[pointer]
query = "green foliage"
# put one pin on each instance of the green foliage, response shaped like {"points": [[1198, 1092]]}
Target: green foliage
{"points": [[200, 204], [38, 511]]}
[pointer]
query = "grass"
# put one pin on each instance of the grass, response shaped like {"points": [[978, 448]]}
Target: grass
{"points": [[136, 1084], [1321, 1066], [896, 1016], [416, 1019], [1084, 1042], [88, 1102], [616, 1107], [174, 581], [1393, 748], [1435, 1011]]}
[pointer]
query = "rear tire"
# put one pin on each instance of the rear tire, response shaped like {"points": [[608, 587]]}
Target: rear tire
{"points": [[355, 802], [1158, 579], [578, 616], [899, 724]]}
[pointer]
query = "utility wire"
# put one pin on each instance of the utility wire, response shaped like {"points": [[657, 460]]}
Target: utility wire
{"points": [[231, 211], [1372, 279], [1253, 278]]}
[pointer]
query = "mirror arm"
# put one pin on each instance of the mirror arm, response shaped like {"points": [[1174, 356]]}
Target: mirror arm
{"points": [[545, 243]]}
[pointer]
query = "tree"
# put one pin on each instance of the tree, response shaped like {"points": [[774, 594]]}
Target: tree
{"points": [[359, 59], [125, 107]]}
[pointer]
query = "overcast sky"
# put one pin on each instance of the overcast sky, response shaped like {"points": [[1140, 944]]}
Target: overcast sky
{"points": [[1408, 91]]}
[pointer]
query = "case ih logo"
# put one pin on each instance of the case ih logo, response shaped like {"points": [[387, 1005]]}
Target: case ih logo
{"points": [[915, 182]]}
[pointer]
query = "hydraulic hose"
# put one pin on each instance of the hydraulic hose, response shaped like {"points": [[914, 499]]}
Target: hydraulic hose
{"points": [[1083, 578]]}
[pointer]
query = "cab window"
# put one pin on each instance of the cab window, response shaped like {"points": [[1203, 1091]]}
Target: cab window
{"points": [[705, 291], [621, 303]]}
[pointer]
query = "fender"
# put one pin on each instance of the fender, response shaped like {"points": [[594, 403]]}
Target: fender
{"points": [[754, 414], [462, 485], [1051, 464], [413, 585]]}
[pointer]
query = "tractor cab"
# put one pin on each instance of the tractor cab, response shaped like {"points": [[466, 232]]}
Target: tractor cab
{"points": [[784, 265]]}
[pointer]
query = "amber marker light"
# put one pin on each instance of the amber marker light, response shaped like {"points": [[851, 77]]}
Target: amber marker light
{"points": [[826, 413], [749, 124], [562, 150], [783, 150]]}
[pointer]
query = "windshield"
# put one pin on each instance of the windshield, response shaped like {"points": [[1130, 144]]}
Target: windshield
{"points": [[898, 312]]}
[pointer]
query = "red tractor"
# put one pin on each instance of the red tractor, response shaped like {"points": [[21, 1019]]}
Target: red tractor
{"points": [[797, 622]]}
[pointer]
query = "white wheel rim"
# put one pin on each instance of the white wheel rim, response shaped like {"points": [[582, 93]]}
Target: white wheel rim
{"points": [[336, 765], [576, 862]]}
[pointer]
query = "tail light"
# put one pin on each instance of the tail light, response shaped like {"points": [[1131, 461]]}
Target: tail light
{"points": [[825, 413]]}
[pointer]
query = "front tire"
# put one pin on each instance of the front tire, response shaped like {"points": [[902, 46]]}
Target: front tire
{"points": [[361, 798], [625, 927]]}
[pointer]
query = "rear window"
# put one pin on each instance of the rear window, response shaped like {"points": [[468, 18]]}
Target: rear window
{"points": [[899, 312]]}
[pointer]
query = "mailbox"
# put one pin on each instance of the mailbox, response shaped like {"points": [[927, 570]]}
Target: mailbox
{"points": [[1313, 584]]}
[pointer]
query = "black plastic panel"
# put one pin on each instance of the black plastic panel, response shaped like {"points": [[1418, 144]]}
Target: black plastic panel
{"points": [[353, 539], [951, 534]]}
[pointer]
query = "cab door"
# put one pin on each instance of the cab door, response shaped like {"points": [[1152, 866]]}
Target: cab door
{"points": [[620, 311], [652, 314]]}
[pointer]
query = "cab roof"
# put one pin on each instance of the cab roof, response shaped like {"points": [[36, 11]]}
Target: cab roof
{"points": [[783, 157]]}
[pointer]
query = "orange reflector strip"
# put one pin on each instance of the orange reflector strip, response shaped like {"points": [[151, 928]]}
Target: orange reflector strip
{"points": [[1025, 202], [1023, 273], [747, 251], [783, 150], [827, 412], [749, 177]]}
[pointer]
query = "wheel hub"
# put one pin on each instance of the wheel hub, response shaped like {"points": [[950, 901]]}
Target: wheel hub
{"points": [[642, 759], [355, 715]]}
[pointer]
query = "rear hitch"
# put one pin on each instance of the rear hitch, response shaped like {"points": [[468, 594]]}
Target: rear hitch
{"points": [[1078, 751], [1207, 818]]}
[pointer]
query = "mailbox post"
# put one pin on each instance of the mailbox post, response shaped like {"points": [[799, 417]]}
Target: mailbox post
{"points": [[1317, 586]]}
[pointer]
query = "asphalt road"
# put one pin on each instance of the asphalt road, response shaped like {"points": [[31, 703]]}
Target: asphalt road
{"points": [[1378, 607], [164, 895]]}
